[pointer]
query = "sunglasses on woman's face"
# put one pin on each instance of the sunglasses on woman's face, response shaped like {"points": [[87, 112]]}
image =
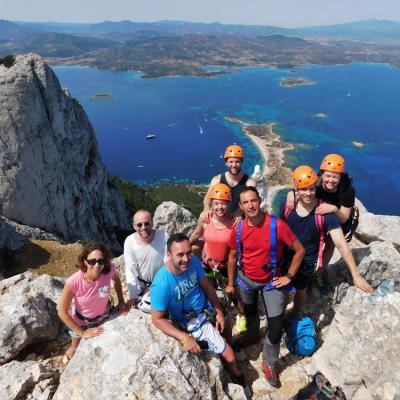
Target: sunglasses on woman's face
{"points": [[140, 224], [94, 261]]}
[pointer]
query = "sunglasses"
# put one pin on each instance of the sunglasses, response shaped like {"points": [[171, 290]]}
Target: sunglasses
{"points": [[140, 224], [94, 261]]}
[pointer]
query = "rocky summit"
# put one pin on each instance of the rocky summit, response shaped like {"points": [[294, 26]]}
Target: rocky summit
{"points": [[51, 173]]}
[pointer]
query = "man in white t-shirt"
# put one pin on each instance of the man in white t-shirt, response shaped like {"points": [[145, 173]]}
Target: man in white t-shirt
{"points": [[144, 253]]}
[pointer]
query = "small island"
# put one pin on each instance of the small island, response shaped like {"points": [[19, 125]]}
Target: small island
{"points": [[101, 96], [293, 82]]}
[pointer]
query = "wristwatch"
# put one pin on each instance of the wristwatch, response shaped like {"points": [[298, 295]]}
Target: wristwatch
{"points": [[290, 276]]}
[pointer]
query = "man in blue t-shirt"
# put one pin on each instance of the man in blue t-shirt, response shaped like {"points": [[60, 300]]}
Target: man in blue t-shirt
{"points": [[308, 227], [181, 289]]}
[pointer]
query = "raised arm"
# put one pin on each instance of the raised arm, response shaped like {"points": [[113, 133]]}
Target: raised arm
{"points": [[206, 200], [341, 244]]}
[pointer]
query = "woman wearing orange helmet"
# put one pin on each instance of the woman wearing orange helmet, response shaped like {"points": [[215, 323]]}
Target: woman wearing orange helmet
{"points": [[215, 228]]}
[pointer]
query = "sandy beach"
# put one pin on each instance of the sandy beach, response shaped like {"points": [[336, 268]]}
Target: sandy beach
{"points": [[273, 150]]}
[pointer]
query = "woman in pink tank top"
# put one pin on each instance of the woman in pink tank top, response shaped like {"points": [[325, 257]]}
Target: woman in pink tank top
{"points": [[85, 300]]}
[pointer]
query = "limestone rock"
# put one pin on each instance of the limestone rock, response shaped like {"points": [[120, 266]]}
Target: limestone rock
{"points": [[377, 227], [132, 359], [51, 173], [377, 262], [21, 380], [360, 353], [173, 218], [28, 312]]}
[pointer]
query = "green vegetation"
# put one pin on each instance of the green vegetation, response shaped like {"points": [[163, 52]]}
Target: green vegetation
{"points": [[149, 198], [7, 61]]}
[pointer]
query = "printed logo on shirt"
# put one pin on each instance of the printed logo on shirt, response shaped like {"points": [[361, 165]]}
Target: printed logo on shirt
{"points": [[186, 286], [104, 291]]}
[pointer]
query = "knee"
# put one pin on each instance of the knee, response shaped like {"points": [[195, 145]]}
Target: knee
{"points": [[275, 328]]}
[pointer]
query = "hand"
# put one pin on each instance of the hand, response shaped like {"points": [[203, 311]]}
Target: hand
{"points": [[123, 308], [192, 346], [132, 303], [281, 281], [326, 208], [220, 321], [290, 200], [362, 284], [237, 220], [91, 332], [230, 290]]}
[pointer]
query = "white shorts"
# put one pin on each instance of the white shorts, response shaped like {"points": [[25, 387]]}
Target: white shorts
{"points": [[208, 333]]}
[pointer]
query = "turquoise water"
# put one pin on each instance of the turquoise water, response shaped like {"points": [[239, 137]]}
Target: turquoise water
{"points": [[187, 114]]}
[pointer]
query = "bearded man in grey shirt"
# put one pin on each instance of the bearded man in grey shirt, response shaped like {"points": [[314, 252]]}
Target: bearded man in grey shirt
{"points": [[144, 252]]}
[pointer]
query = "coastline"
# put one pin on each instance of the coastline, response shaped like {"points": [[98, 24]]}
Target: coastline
{"points": [[268, 142]]}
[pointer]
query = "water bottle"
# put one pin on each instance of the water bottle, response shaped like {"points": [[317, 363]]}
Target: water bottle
{"points": [[384, 288]]}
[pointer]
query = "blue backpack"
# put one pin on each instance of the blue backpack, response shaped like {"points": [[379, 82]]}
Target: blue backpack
{"points": [[302, 338]]}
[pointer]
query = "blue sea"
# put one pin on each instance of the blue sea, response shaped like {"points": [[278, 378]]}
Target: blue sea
{"points": [[188, 117]]}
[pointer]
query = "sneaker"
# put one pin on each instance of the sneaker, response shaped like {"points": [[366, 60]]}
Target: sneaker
{"points": [[241, 323], [271, 375]]}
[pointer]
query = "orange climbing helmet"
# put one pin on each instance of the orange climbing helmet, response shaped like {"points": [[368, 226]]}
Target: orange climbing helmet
{"points": [[303, 177], [333, 163], [233, 151], [220, 191]]}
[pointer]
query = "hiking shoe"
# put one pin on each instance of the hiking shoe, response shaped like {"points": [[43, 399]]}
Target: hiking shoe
{"points": [[321, 284], [271, 375], [241, 323], [239, 380]]}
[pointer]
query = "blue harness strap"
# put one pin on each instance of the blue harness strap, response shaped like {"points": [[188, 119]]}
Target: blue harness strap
{"points": [[273, 255]]}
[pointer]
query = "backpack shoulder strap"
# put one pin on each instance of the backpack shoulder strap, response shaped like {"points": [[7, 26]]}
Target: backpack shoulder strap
{"points": [[273, 240], [239, 229], [286, 212]]}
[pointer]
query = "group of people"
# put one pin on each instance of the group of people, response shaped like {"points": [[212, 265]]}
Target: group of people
{"points": [[253, 253]]}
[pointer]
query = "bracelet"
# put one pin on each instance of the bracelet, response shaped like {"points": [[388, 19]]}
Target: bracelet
{"points": [[289, 276], [185, 340]]}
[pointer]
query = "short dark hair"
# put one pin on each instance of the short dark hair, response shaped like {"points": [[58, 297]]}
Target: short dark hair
{"points": [[176, 237], [90, 246], [249, 189]]}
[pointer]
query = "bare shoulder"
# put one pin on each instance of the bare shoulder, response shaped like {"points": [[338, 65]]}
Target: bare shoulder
{"points": [[216, 179]]}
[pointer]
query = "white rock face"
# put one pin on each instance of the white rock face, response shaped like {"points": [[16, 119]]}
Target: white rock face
{"points": [[374, 227], [28, 379], [173, 218], [360, 353], [28, 312], [51, 174], [134, 360]]}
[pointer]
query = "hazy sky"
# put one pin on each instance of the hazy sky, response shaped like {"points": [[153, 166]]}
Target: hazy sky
{"points": [[287, 13]]}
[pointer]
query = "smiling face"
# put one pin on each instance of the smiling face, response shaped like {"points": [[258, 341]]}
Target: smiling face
{"points": [[219, 207], [97, 258], [143, 224], [250, 204], [330, 180], [180, 256], [234, 165], [307, 195]]}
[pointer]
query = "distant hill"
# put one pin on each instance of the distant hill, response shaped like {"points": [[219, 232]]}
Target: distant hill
{"points": [[370, 30], [12, 31], [56, 45]]}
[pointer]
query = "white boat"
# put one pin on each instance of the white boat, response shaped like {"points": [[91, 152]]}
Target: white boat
{"points": [[201, 129], [150, 136]]}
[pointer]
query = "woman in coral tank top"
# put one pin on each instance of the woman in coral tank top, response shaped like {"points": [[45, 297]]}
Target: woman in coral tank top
{"points": [[215, 229]]}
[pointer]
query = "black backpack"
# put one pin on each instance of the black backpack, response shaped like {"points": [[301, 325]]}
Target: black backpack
{"points": [[320, 389]]}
